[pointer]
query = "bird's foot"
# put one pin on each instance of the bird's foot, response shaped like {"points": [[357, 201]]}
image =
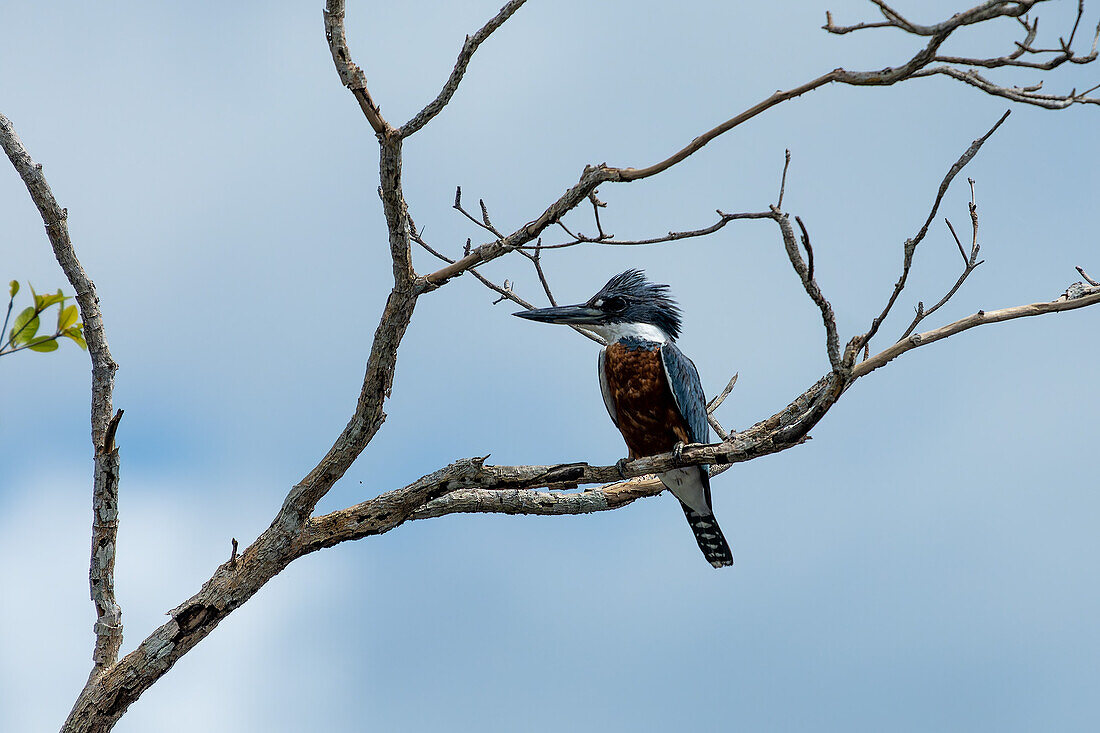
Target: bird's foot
{"points": [[678, 451], [621, 465]]}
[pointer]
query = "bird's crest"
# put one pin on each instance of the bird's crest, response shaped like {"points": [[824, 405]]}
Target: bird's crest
{"points": [[630, 297]]}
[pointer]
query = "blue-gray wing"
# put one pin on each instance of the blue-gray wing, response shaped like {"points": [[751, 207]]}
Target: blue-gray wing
{"points": [[608, 400], [683, 377]]}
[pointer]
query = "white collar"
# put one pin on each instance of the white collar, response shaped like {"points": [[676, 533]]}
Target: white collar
{"points": [[612, 332]]}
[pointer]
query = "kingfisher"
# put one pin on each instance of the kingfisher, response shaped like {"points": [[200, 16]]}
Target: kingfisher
{"points": [[650, 388]]}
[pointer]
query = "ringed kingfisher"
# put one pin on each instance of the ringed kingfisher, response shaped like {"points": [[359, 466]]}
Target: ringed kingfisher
{"points": [[651, 390]]}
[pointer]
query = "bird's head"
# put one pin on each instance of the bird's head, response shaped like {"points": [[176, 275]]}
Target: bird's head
{"points": [[629, 305]]}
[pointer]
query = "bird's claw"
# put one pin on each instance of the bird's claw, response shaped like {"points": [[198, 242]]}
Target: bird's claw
{"points": [[678, 451], [621, 465]]}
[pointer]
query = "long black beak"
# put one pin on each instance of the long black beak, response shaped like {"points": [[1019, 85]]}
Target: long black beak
{"points": [[573, 315]]}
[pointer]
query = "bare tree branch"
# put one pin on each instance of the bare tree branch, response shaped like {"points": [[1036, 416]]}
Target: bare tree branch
{"points": [[368, 415], [1088, 279], [717, 401], [714, 404], [1081, 298], [1023, 95], [536, 261], [487, 224], [1058, 56], [859, 342], [1016, 58], [529, 501], [351, 75], [987, 10], [468, 48], [484, 222], [969, 265], [596, 206], [505, 292], [783, 179], [108, 625], [890, 75], [842, 29], [806, 274], [608, 239], [916, 66]]}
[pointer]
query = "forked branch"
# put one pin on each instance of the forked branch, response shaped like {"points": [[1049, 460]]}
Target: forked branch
{"points": [[1075, 297], [910, 247], [804, 270], [1023, 55], [970, 263], [916, 66]]}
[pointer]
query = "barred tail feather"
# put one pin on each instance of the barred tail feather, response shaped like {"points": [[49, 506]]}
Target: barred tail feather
{"points": [[709, 536]]}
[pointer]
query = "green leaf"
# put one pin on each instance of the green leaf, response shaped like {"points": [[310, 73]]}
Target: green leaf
{"points": [[25, 326], [66, 317], [42, 302], [74, 334], [13, 288], [46, 343]]}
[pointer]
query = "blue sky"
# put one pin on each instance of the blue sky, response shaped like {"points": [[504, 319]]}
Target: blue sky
{"points": [[927, 561]]}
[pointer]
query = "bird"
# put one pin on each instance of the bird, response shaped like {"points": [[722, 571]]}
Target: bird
{"points": [[650, 388]]}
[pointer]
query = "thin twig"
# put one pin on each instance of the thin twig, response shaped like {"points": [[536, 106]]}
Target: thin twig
{"points": [[506, 294], [506, 291], [670, 237], [783, 180], [471, 44], [536, 259], [911, 244], [577, 237], [714, 404], [1088, 279], [807, 246], [970, 263], [717, 401], [956, 237], [596, 206], [986, 11], [484, 223], [809, 284], [7, 317], [1081, 299], [488, 223], [1022, 95]]}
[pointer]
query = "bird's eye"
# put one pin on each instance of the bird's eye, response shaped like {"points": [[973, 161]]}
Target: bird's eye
{"points": [[614, 304]]}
